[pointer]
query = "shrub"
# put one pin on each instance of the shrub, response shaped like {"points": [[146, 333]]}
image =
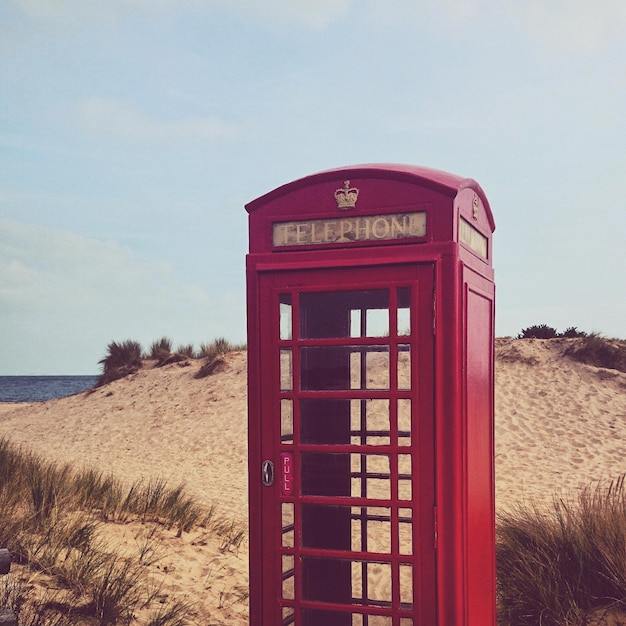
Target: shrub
{"points": [[218, 347], [122, 359], [160, 349], [573, 332], [187, 351], [542, 331], [125, 354], [593, 349]]}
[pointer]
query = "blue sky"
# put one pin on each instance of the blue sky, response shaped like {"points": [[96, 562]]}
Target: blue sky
{"points": [[132, 132]]}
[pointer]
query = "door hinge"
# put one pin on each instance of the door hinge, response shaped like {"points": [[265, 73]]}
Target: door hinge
{"points": [[434, 312], [435, 528]]}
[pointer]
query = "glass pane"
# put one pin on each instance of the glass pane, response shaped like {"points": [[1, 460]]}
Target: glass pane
{"points": [[377, 323], [406, 586], [341, 421], [346, 582], [286, 421], [406, 621], [285, 317], [344, 314], [325, 368], [326, 527], [377, 368], [287, 524], [371, 583], [315, 617], [370, 476], [404, 312], [371, 529], [334, 368], [288, 615], [325, 421], [357, 372], [406, 531], [356, 323], [404, 367], [286, 370], [288, 577], [349, 475], [326, 580], [404, 422], [325, 474], [370, 423], [404, 477]]}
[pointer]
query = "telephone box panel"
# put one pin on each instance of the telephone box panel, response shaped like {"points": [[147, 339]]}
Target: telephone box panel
{"points": [[370, 341]]}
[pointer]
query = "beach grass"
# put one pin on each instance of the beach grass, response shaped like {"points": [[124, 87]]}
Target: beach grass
{"points": [[54, 519], [127, 357], [565, 565]]}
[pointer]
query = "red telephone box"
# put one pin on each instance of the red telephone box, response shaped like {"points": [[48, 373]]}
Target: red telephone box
{"points": [[371, 363]]}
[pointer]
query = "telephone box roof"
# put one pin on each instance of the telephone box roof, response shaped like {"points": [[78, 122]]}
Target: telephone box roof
{"points": [[437, 180]]}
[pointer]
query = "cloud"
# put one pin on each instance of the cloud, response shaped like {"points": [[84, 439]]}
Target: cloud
{"points": [[121, 120], [64, 297]]}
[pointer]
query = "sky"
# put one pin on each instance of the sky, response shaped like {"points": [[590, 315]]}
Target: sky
{"points": [[133, 132]]}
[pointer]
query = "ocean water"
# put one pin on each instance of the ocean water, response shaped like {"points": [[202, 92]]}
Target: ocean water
{"points": [[40, 388]]}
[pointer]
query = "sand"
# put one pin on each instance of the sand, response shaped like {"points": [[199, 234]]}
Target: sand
{"points": [[560, 425]]}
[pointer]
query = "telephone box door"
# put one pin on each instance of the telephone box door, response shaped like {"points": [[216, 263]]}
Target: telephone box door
{"points": [[347, 447]]}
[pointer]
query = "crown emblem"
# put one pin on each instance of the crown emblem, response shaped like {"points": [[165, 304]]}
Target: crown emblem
{"points": [[347, 196]]}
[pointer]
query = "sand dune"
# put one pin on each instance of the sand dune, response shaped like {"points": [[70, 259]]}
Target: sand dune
{"points": [[559, 426]]}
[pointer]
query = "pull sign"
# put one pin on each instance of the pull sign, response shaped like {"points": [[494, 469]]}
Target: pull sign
{"points": [[286, 463], [267, 473]]}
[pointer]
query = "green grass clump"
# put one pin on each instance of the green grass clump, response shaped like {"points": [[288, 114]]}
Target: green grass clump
{"points": [[160, 349], [539, 331], [219, 347], [543, 331], [594, 349], [566, 565], [125, 358], [121, 360], [186, 350], [52, 521]]}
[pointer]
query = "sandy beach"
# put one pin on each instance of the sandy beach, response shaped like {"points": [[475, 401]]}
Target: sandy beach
{"points": [[560, 425]]}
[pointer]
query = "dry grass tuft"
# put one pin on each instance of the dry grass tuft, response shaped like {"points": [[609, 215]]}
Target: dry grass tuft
{"points": [[565, 566], [52, 522]]}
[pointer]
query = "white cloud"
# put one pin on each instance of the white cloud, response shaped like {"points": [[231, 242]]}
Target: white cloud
{"points": [[64, 297], [120, 120]]}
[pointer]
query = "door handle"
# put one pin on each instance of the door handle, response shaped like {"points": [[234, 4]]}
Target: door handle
{"points": [[267, 473]]}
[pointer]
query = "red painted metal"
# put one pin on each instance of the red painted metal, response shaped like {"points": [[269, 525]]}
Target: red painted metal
{"points": [[349, 287]]}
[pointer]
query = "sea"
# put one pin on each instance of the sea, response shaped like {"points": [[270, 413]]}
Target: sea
{"points": [[40, 388]]}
